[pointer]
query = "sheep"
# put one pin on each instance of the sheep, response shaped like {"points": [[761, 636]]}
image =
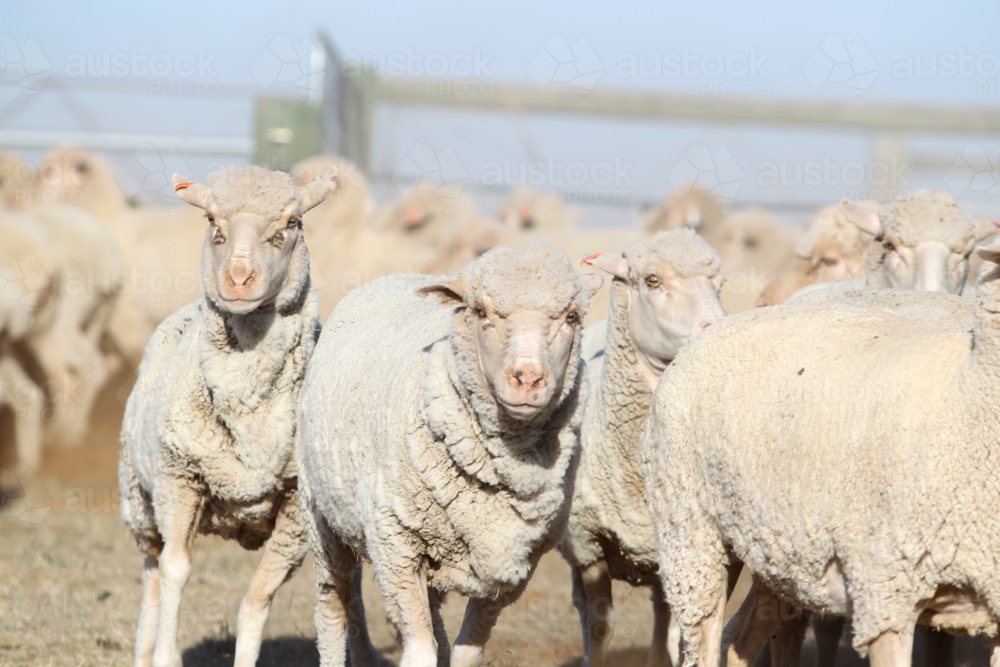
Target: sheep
{"points": [[663, 293], [339, 230], [209, 431], [831, 249], [440, 229], [752, 246], [72, 351], [158, 243], [440, 444], [868, 495], [920, 242], [16, 180], [688, 206], [923, 241], [528, 210], [26, 306], [983, 231]]}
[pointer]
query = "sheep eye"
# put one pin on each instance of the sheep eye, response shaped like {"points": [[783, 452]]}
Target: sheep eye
{"points": [[572, 317], [889, 247], [211, 218], [294, 222], [829, 261], [480, 312], [652, 281]]}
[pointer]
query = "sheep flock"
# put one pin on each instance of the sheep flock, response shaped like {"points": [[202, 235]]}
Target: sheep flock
{"points": [[445, 395]]}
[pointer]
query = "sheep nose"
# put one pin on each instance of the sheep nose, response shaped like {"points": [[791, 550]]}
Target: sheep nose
{"points": [[240, 273], [526, 376]]}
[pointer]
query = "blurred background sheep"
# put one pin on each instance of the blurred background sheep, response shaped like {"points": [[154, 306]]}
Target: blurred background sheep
{"points": [[448, 142]]}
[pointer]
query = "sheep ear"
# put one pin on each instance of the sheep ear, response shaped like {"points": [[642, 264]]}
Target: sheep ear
{"points": [[861, 217], [316, 190], [991, 252], [609, 263], [193, 193], [594, 283], [450, 293]]}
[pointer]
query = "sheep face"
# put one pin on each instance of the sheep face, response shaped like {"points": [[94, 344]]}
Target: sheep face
{"points": [[255, 223], [831, 249], [667, 311], [673, 282], [922, 242], [523, 330]]}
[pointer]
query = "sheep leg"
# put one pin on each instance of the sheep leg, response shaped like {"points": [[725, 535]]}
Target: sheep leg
{"points": [[939, 648], [658, 654], [145, 635], [598, 613], [891, 649], [28, 405], [480, 616], [178, 513], [283, 554], [362, 653], [750, 628], [580, 602], [440, 634], [828, 631], [332, 602], [703, 641], [994, 646], [786, 645], [406, 592]]}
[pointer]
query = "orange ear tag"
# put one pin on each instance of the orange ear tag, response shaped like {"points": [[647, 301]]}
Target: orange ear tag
{"points": [[586, 260]]}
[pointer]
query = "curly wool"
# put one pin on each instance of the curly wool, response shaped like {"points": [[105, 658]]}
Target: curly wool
{"points": [[414, 461], [800, 466], [256, 189], [609, 519], [216, 404], [927, 215]]}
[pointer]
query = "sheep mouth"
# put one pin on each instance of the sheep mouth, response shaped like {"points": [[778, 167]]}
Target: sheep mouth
{"points": [[521, 409]]}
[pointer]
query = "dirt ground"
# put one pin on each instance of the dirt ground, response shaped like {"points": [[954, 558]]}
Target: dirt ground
{"points": [[70, 588]]}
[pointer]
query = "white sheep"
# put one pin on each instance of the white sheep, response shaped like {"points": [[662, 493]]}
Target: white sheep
{"points": [[209, 431], [17, 178], [159, 244], [664, 292], [440, 443], [752, 246], [922, 241], [689, 206], [864, 494], [831, 249], [532, 211]]}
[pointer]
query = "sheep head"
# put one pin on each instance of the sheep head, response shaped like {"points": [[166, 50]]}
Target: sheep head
{"points": [[255, 224], [673, 280], [520, 313], [831, 249], [921, 242]]}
